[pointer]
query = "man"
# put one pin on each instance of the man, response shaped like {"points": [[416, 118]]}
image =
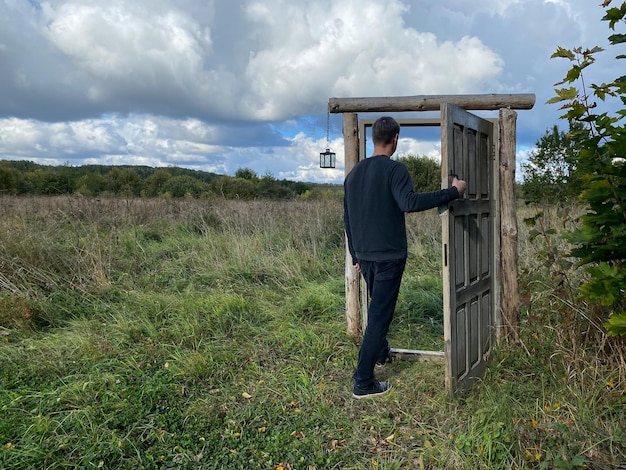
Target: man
{"points": [[377, 194]]}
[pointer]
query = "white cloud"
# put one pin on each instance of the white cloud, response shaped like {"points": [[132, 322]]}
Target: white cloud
{"points": [[421, 148], [123, 49], [160, 140], [18, 134], [355, 48], [206, 83]]}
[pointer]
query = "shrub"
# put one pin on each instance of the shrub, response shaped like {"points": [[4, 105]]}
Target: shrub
{"points": [[600, 242]]}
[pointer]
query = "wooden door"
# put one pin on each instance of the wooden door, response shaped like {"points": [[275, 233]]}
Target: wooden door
{"points": [[468, 149]]}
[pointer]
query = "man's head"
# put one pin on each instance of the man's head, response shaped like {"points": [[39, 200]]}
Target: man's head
{"points": [[385, 131]]}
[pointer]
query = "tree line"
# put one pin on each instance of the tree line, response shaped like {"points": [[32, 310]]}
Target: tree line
{"points": [[28, 178], [550, 175]]}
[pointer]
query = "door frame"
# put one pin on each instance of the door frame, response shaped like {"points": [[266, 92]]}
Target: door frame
{"points": [[505, 224], [427, 355]]}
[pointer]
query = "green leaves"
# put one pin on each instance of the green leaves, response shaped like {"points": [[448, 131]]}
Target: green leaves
{"points": [[425, 172], [614, 15], [616, 325], [550, 173], [563, 94], [607, 284], [617, 38], [563, 53], [600, 241]]}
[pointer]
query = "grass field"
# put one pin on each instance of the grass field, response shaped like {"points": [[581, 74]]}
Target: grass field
{"points": [[183, 334]]}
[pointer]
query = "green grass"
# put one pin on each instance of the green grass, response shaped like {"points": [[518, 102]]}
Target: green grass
{"points": [[211, 334]]}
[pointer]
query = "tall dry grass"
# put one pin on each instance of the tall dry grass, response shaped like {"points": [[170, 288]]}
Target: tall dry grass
{"points": [[161, 333]]}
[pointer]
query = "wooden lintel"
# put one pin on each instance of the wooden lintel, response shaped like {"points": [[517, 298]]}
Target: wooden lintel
{"points": [[486, 102], [417, 355]]}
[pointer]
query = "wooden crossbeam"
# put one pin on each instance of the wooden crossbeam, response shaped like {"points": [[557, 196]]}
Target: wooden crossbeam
{"points": [[486, 102]]}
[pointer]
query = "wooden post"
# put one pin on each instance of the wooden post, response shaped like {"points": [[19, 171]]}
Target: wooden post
{"points": [[353, 307], [508, 226]]}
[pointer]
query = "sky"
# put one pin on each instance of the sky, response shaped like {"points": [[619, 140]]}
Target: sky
{"points": [[218, 85]]}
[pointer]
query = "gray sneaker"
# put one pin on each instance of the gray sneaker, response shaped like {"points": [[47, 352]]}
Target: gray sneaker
{"points": [[375, 390]]}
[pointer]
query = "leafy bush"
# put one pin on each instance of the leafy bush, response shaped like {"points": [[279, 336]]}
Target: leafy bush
{"points": [[600, 242], [425, 172], [550, 174]]}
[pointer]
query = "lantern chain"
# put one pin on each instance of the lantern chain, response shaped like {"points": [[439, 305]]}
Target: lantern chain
{"points": [[328, 127]]}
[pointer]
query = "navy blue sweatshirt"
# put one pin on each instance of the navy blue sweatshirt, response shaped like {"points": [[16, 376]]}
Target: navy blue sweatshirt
{"points": [[377, 193]]}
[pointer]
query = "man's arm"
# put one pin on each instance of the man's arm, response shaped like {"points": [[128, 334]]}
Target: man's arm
{"points": [[410, 201], [346, 225]]}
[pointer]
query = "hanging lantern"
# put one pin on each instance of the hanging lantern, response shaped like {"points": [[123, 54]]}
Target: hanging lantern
{"points": [[327, 158]]}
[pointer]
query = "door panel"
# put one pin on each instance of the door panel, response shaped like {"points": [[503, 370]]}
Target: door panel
{"points": [[467, 228]]}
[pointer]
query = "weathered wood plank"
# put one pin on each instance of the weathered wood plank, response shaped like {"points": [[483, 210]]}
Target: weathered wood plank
{"points": [[510, 300], [486, 102], [418, 355], [353, 303]]}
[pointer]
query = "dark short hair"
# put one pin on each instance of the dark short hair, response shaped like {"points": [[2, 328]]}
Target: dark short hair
{"points": [[384, 130]]}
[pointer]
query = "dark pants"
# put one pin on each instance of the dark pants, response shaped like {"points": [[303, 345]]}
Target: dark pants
{"points": [[383, 284]]}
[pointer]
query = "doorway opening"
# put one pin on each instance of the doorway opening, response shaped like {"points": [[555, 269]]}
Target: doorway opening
{"points": [[417, 331]]}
